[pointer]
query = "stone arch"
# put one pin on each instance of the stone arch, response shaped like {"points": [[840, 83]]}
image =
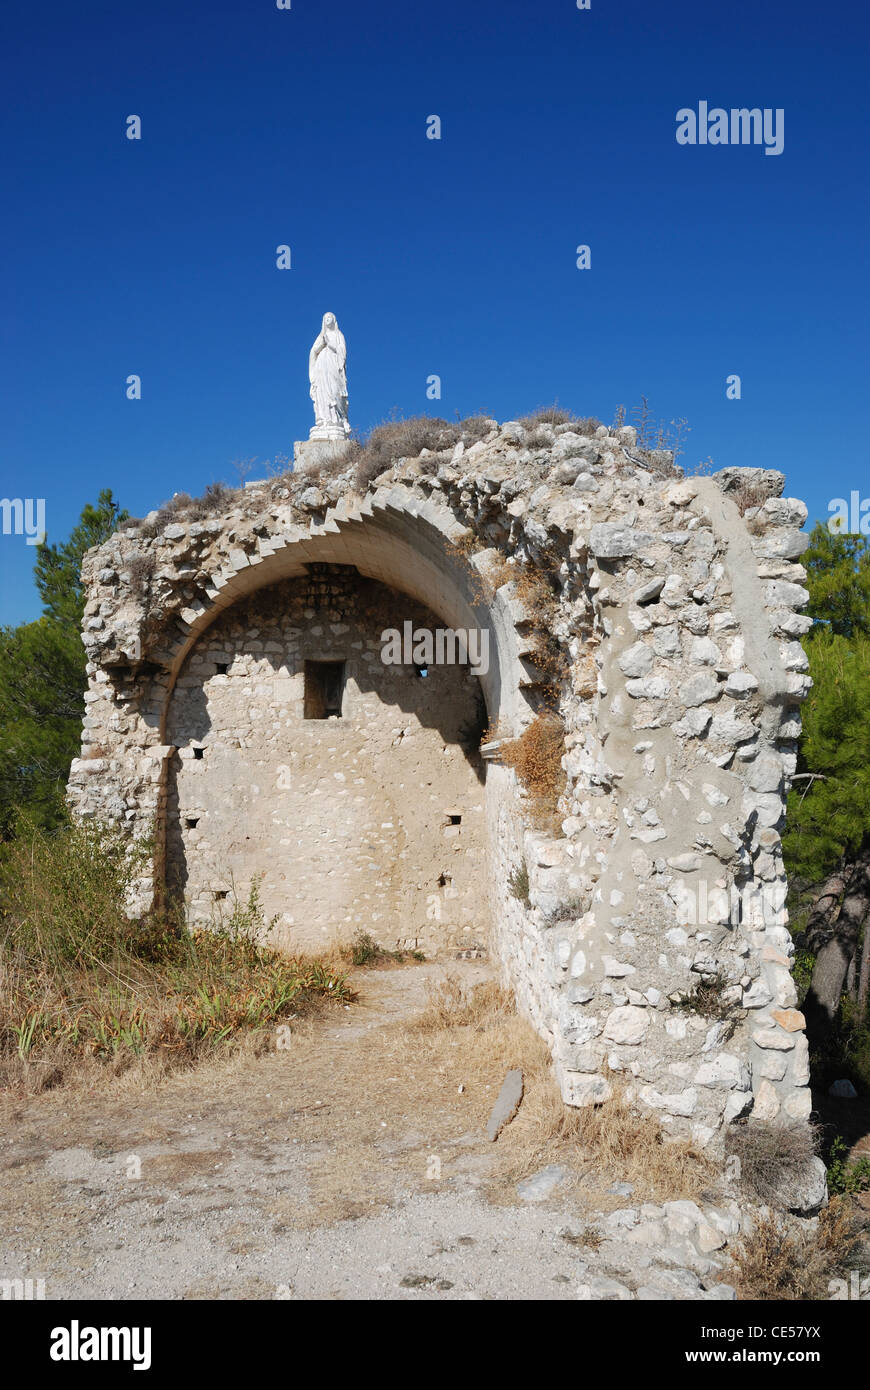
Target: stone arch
{"points": [[409, 548], [407, 545]]}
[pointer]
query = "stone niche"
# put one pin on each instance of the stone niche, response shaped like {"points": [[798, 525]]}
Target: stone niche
{"points": [[353, 791], [240, 720]]}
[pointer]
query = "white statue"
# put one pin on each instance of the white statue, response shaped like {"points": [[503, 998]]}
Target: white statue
{"points": [[327, 372]]}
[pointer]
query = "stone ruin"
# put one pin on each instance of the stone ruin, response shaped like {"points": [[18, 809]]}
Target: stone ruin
{"points": [[241, 723]]}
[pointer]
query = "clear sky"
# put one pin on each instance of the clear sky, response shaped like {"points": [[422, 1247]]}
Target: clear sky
{"points": [[307, 127]]}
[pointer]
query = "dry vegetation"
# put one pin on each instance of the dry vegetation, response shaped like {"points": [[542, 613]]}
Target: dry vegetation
{"points": [[771, 1154], [478, 1033], [364, 950], [747, 497], [181, 507], [534, 588], [81, 983], [783, 1261], [706, 999], [396, 439], [551, 415], [536, 757]]}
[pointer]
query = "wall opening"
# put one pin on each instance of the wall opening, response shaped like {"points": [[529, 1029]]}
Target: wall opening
{"points": [[324, 689]]}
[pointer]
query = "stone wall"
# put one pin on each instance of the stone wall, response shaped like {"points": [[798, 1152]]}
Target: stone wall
{"points": [[371, 821], [675, 603]]}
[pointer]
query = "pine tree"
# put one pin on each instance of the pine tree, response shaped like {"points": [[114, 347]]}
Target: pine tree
{"points": [[827, 842], [42, 675]]}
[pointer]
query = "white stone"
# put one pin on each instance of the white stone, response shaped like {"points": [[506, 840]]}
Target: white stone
{"points": [[636, 661], [627, 1024], [766, 1105], [724, 1070], [582, 1089], [798, 1104], [704, 652], [697, 690]]}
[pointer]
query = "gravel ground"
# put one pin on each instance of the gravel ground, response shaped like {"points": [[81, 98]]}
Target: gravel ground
{"points": [[309, 1174]]}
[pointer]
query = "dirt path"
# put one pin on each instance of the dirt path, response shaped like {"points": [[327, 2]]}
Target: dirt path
{"points": [[353, 1164]]}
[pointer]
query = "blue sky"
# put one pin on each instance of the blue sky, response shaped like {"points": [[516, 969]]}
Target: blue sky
{"points": [[262, 127]]}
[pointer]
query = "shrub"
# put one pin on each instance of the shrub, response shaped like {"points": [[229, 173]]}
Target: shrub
{"points": [[553, 415], [140, 568], [536, 757], [657, 437], [706, 999], [781, 1262], [518, 883], [475, 427], [170, 510], [432, 462], [364, 949], [63, 894], [745, 498], [547, 415], [216, 498], [397, 439], [845, 1175], [772, 1154]]}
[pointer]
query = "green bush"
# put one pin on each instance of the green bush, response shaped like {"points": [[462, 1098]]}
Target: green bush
{"points": [[843, 1175]]}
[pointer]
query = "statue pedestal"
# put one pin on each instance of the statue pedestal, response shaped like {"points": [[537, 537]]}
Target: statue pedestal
{"points": [[308, 453]]}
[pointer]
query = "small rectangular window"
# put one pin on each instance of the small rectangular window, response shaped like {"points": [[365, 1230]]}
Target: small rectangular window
{"points": [[324, 688]]}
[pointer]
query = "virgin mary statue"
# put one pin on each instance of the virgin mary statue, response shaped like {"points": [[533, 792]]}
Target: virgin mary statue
{"points": [[327, 371]]}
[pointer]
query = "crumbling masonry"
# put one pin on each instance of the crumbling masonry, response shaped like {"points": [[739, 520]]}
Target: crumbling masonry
{"points": [[208, 637]]}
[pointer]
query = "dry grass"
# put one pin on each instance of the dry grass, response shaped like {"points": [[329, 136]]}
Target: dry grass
{"points": [[554, 415], [140, 567], [534, 590], [706, 1000], [407, 438], [372, 1099], [783, 1261], [536, 757], [182, 507], [481, 1036], [745, 497], [531, 587], [451, 1006], [79, 980], [631, 1146], [771, 1154]]}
